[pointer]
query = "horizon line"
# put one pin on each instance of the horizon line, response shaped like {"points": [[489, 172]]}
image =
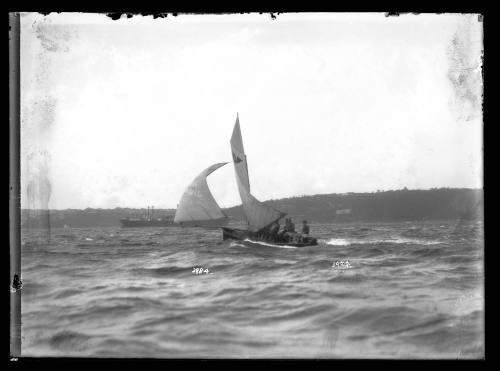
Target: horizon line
{"points": [[272, 199]]}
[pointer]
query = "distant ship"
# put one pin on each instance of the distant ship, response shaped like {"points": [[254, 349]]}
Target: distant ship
{"points": [[148, 221]]}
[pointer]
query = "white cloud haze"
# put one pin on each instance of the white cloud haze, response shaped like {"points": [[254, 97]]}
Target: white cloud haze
{"points": [[126, 113]]}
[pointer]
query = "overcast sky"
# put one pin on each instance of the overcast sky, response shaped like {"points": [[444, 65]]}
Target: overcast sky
{"points": [[126, 113]]}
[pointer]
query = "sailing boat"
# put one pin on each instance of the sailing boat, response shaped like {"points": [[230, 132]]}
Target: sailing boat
{"points": [[258, 215], [197, 207]]}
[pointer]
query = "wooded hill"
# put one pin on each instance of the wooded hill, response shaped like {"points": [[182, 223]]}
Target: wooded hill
{"points": [[399, 205]]}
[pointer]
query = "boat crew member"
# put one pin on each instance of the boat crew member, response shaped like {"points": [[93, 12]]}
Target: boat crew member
{"points": [[289, 230], [286, 226], [305, 227], [289, 226]]}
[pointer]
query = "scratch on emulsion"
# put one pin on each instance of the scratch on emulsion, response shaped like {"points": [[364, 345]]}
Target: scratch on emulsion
{"points": [[465, 55], [38, 120]]}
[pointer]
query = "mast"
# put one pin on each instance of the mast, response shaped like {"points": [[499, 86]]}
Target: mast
{"points": [[258, 215]]}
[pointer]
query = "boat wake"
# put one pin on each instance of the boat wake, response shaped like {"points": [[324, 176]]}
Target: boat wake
{"points": [[270, 244], [336, 242], [348, 242]]}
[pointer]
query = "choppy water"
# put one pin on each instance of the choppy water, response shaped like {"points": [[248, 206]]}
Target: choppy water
{"points": [[412, 290]]}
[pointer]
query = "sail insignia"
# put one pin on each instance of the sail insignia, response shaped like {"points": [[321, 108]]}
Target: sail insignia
{"points": [[236, 159]]}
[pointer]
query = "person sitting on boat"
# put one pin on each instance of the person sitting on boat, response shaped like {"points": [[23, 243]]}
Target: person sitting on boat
{"points": [[285, 227], [289, 226], [305, 227], [289, 230]]}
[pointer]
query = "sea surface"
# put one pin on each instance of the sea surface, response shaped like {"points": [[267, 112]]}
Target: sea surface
{"points": [[368, 290]]}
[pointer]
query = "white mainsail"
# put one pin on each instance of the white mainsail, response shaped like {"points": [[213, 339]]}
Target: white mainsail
{"points": [[257, 214], [197, 203]]}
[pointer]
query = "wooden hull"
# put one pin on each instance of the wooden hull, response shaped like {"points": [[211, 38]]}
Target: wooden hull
{"points": [[243, 234], [234, 234]]}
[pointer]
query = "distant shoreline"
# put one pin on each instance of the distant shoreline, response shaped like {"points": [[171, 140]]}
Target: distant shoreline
{"points": [[385, 206]]}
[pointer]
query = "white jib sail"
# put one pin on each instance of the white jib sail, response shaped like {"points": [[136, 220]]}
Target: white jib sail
{"points": [[257, 214], [197, 202]]}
